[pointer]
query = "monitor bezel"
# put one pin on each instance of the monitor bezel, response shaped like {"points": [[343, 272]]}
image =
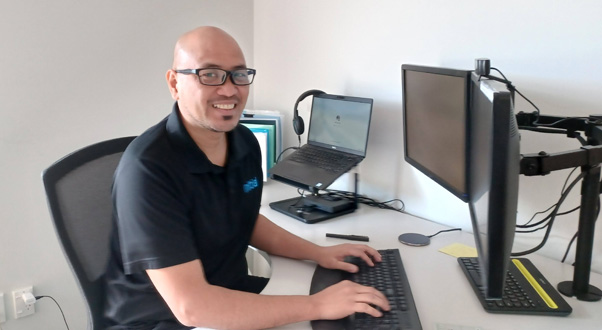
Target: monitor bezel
{"points": [[466, 74]]}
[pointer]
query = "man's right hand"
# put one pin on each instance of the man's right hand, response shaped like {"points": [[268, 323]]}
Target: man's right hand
{"points": [[345, 298]]}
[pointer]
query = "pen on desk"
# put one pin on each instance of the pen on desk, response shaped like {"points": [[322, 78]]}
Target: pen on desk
{"points": [[349, 237]]}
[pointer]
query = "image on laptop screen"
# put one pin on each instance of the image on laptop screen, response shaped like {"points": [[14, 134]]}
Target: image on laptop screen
{"points": [[340, 123]]}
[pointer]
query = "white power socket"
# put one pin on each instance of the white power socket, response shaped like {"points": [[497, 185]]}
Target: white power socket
{"points": [[2, 309], [21, 308]]}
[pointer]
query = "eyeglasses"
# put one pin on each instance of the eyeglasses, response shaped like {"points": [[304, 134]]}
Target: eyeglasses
{"points": [[217, 77]]}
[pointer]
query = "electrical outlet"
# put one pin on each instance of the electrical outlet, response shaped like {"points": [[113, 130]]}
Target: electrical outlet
{"points": [[2, 309], [21, 308]]}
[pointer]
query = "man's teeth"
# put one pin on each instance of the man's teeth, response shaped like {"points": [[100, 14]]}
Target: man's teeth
{"points": [[224, 106]]}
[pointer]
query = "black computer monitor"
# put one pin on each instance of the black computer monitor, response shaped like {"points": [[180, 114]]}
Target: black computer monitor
{"points": [[461, 131], [435, 103], [494, 170]]}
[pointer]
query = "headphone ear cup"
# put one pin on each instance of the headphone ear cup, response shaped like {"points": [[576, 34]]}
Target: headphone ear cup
{"points": [[298, 125]]}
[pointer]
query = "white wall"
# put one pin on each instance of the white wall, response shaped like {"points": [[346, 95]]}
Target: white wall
{"points": [[550, 50], [73, 73]]}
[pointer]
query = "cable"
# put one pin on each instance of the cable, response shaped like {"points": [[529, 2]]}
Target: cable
{"points": [[369, 201], [536, 122], [528, 225], [558, 121], [543, 130], [566, 253], [444, 231], [552, 218], [519, 93], [361, 199], [281, 153], [567, 179], [568, 248], [580, 138], [532, 104], [570, 211], [59, 306], [500, 72]]}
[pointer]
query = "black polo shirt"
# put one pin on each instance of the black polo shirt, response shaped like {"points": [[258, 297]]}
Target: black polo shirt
{"points": [[171, 206]]}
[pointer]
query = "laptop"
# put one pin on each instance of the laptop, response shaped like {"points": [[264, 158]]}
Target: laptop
{"points": [[338, 128]]}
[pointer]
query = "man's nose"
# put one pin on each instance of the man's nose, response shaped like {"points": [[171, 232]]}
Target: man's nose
{"points": [[228, 88]]}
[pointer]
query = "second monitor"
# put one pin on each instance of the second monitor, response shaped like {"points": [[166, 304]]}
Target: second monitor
{"points": [[460, 129], [461, 132]]}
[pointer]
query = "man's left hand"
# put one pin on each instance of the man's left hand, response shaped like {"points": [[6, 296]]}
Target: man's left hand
{"points": [[332, 257]]}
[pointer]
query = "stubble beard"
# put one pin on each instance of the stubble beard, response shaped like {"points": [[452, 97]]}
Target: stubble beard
{"points": [[213, 128]]}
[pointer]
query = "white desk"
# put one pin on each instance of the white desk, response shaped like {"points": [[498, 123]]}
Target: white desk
{"points": [[441, 291]]}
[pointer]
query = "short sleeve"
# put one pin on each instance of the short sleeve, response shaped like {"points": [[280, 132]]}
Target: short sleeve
{"points": [[154, 229]]}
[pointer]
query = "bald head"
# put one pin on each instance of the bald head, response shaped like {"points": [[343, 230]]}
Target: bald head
{"points": [[207, 109], [193, 45]]}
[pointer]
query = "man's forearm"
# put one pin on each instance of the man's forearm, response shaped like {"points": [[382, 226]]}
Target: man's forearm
{"points": [[196, 303], [242, 310], [273, 239]]}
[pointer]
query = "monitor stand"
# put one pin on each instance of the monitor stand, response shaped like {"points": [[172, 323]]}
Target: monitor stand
{"points": [[316, 207]]}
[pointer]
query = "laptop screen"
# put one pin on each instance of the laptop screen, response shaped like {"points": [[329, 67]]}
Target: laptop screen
{"points": [[340, 123]]}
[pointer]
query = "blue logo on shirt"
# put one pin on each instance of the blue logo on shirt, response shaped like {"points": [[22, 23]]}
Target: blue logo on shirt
{"points": [[250, 185]]}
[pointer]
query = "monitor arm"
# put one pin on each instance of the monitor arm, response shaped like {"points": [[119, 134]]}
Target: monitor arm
{"points": [[543, 163], [589, 158], [591, 126]]}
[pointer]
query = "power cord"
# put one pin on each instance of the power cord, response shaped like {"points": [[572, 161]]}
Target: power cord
{"points": [[361, 199], [373, 203], [280, 155], [566, 253], [552, 217], [577, 234], [519, 93], [541, 127], [528, 223], [444, 231], [367, 200], [57, 304]]}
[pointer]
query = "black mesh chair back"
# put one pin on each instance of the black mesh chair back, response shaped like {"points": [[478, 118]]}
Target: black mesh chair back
{"points": [[78, 190]]}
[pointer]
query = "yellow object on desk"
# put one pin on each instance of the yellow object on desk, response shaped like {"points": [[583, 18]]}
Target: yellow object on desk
{"points": [[459, 250]]}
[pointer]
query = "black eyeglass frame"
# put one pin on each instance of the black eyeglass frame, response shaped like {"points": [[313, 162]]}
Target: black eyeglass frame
{"points": [[196, 72]]}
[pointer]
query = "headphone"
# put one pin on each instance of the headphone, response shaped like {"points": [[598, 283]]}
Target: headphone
{"points": [[298, 124]]}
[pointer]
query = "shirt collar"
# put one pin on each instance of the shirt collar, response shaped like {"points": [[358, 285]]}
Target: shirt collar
{"points": [[195, 158]]}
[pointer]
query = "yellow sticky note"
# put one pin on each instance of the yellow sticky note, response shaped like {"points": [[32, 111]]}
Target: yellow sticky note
{"points": [[459, 250]]}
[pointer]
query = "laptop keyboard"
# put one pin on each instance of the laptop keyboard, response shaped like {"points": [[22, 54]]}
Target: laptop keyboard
{"points": [[325, 159]]}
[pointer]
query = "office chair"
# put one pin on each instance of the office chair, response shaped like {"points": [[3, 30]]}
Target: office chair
{"points": [[78, 190]]}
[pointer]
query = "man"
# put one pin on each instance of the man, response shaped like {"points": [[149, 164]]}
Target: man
{"points": [[186, 198]]}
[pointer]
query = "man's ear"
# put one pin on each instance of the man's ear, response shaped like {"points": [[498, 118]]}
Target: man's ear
{"points": [[172, 83]]}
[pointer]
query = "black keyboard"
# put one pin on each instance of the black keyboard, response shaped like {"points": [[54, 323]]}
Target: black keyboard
{"points": [[387, 276], [332, 161], [523, 294]]}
